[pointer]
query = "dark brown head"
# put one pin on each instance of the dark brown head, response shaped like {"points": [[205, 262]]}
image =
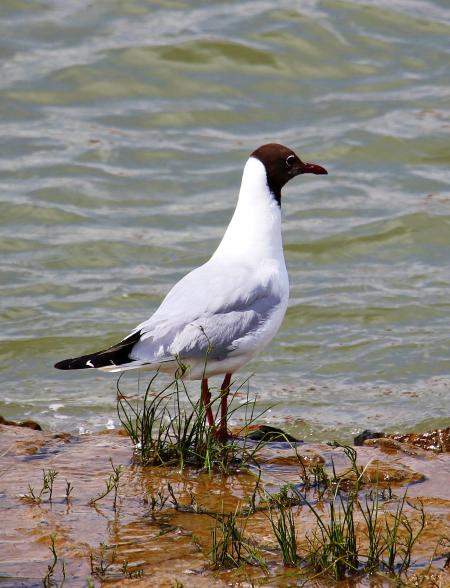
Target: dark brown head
{"points": [[282, 164]]}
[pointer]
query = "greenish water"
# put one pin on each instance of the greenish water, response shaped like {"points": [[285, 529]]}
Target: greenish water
{"points": [[124, 128]]}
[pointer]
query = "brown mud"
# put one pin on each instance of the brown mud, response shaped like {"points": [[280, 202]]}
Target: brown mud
{"points": [[140, 543]]}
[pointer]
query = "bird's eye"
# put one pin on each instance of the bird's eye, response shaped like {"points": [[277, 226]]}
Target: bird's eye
{"points": [[290, 160]]}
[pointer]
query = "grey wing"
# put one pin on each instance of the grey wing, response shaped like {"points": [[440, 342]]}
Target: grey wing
{"points": [[225, 332], [190, 323]]}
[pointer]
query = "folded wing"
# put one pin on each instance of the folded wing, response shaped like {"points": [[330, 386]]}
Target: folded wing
{"points": [[210, 311]]}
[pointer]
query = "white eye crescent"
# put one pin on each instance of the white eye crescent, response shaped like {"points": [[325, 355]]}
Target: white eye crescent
{"points": [[290, 160]]}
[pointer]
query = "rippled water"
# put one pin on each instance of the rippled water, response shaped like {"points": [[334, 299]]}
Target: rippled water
{"points": [[124, 128]]}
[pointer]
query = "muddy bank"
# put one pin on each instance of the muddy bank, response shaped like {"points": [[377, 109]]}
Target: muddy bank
{"points": [[159, 534]]}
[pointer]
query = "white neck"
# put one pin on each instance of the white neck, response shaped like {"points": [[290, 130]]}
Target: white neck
{"points": [[255, 229]]}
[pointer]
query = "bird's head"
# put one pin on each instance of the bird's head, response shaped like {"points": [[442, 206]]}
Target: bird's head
{"points": [[282, 164]]}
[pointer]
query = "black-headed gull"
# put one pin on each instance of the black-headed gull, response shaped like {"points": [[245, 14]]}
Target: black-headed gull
{"points": [[216, 318]]}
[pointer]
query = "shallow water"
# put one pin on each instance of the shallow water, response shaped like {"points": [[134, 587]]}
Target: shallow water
{"points": [[124, 129]]}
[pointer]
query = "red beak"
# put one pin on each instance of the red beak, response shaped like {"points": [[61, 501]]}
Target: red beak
{"points": [[313, 168]]}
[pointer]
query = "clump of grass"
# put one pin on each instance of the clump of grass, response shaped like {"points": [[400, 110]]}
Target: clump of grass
{"points": [[400, 537], [283, 526], [375, 544], [112, 485], [334, 549], [229, 546], [49, 580], [164, 432]]}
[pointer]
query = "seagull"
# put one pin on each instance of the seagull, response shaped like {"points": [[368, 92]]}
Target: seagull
{"points": [[221, 314]]}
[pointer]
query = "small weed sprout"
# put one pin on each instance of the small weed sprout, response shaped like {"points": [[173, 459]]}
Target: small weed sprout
{"points": [[112, 485], [104, 564], [446, 541], [252, 505], [157, 501], [129, 573], [48, 479], [31, 496], [49, 581], [69, 490], [103, 561], [173, 498]]}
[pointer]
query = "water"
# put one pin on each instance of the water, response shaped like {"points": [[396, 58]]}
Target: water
{"points": [[124, 129]]}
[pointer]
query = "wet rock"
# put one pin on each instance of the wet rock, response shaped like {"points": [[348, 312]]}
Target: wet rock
{"points": [[268, 433], [391, 473], [437, 440], [383, 474], [26, 441], [392, 447], [361, 438], [28, 424], [304, 457]]}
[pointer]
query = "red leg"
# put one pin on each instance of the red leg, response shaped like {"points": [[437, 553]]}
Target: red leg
{"points": [[224, 391], [206, 397]]}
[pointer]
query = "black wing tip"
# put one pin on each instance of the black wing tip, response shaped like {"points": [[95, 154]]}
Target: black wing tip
{"points": [[113, 356], [72, 364], [62, 365]]}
